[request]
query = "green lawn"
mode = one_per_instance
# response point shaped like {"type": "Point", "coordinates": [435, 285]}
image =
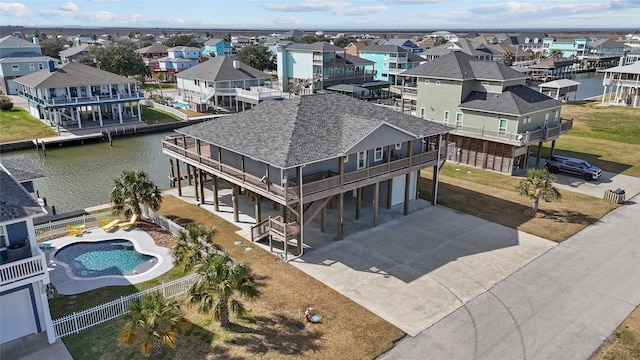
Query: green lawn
{"type": "Point", "coordinates": [18, 124]}
{"type": "Point", "coordinates": [608, 137]}
{"type": "Point", "coordinates": [155, 86]}
{"type": "Point", "coordinates": [155, 116]}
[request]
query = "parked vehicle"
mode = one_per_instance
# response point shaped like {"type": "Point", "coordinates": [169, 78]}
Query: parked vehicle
{"type": "Point", "coordinates": [579, 167]}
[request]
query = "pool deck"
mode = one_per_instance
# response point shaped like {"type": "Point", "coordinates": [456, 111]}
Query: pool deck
{"type": "Point", "coordinates": [68, 285]}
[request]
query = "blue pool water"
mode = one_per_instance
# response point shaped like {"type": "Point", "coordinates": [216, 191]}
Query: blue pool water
{"type": "Point", "coordinates": [102, 258]}
{"type": "Point", "coordinates": [180, 104]}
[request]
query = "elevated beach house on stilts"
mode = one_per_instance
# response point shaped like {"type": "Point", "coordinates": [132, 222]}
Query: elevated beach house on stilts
{"type": "Point", "coordinates": [307, 152]}
{"type": "Point", "coordinates": [77, 95]}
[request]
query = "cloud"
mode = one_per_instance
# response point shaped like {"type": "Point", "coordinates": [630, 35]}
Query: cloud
{"type": "Point", "coordinates": [69, 7]}
{"type": "Point", "coordinates": [15, 9]}
{"type": "Point", "coordinates": [332, 7]}
{"type": "Point", "coordinates": [412, 2]}
{"type": "Point", "coordinates": [285, 20]}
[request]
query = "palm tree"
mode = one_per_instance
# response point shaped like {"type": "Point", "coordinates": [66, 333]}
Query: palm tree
{"type": "Point", "coordinates": [538, 184]}
{"type": "Point", "coordinates": [159, 76]}
{"type": "Point", "coordinates": [193, 246]}
{"type": "Point", "coordinates": [555, 53]}
{"type": "Point", "coordinates": [508, 58]}
{"type": "Point", "coordinates": [132, 190]}
{"type": "Point", "coordinates": [220, 279]}
{"type": "Point", "coordinates": [153, 322]}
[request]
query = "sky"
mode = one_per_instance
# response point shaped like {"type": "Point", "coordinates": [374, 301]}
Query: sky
{"type": "Point", "coordinates": [326, 15]}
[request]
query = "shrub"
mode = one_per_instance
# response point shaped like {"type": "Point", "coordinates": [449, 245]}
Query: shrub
{"type": "Point", "coordinates": [5, 103]}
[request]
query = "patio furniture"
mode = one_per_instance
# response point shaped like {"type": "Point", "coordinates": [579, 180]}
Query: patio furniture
{"type": "Point", "coordinates": [110, 226]}
{"type": "Point", "coordinates": [127, 224]}
{"type": "Point", "coordinates": [76, 230]}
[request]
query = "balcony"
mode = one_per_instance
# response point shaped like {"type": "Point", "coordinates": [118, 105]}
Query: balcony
{"type": "Point", "coordinates": [63, 101]}
{"type": "Point", "coordinates": [317, 187]}
{"type": "Point", "coordinates": [24, 271]}
{"type": "Point", "coordinates": [517, 139]}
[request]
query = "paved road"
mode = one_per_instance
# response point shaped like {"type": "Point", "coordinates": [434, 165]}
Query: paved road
{"type": "Point", "coordinates": [560, 306]}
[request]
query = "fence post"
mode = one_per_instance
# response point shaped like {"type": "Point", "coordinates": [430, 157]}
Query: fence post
{"type": "Point", "coordinates": [122, 304]}
{"type": "Point", "coordinates": [164, 291]}
{"type": "Point", "coordinates": [75, 323]}
{"type": "Point", "coordinates": [84, 221]}
{"type": "Point", "coordinates": [50, 227]}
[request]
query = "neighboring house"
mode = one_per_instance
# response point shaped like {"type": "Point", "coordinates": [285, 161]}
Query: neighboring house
{"type": "Point", "coordinates": [406, 44]}
{"type": "Point", "coordinates": [217, 47]}
{"type": "Point", "coordinates": [531, 42]}
{"type": "Point", "coordinates": [273, 43]}
{"type": "Point", "coordinates": [604, 53]}
{"type": "Point", "coordinates": [632, 40]}
{"type": "Point", "coordinates": [24, 276]}
{"type": "Point", "coordinates": [475, 49]}
{"type": "Point", "coordinates": [224, 82]}
{"type": "Point", "coordinates": [390, 60]}
{"type": "Point", "coordinates": [569, 48]}
{"type": "Point", "coordinates": [622, 85]}
{"type": "Point", "coordinates": [306, 68]}
{"type": "Point", "coordinates": [304, 152]}
{"type": "Point", "coordinates": [83, 39]}
{"type": "Point", "coordinates": [74, 53]}
{"type": "Point", "coordinates": [355, 47]}
{"type": "Point", "coordinates": [449, 36]}
{"type": "Point", "coordinates": [293, 35]}
{"type": "Point", "coordinates": [497, 118]}
{"type": "Point", "coordinates": [150, 55]}
{"type": "Point", "coordinates": [19, 57]}
{"type": "Point", "coordinates": [632, 57]}
{"type": "Point", "coordinates": [179, 58]}
{"type": "Point", "coordinates": [79, 95]}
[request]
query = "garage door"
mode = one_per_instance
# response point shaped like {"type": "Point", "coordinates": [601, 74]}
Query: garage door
{"type": "Point", "coordinates": [16, 316]}
{"type": "Point", "coordinates": [12, 87]}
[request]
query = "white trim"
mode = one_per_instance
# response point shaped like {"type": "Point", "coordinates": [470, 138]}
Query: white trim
{"type": "Point", "coordinates": [362, 161]}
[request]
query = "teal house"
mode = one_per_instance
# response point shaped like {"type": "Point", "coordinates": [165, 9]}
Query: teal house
{"type": "Point", "coordinates": [390, 60]}
{"type": "Point", "coordinates": [217, 47]}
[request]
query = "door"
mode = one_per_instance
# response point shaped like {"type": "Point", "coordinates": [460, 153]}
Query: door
{"type": "Point", "coordinates": [17, 317]}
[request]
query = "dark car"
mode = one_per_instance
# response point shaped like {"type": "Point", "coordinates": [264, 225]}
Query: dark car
{"type": "Point", "coordinates": [579, 167]}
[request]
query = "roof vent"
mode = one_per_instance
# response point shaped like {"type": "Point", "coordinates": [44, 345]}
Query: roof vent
{"type": "Point", "coordinates": [236, 64]}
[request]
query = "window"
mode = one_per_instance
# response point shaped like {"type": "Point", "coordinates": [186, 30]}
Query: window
{"type": "Point", "coordinates": [2, 237]}
{"type": "Point", "coordinates": [502, 127]}
{"type": "Point", "coordinates": [15, 67]}
{"type": "Point", "coordinates": [377, 155]}
{"type": "Point", "coordinates": [32, 67]}
{"type": "Point", "coordinates": [399, 146]}
{"type": "Point", "coordinates": [446, 117]}
{"type": "Point", "coordinates": [346, 158]}
{"type": "Point", "coordinates": [40, 66]}
{"type": "Point", "coordinates": [557, 117]}
{"type": "Point", "coordinates": [438, 83]}
{"type": "Point", "coordinates": [361, 160]}
{"type": "Point", "coordinates": [421, 113]}
{"type": "Point", "coordinates": [459, 117]}
{"type": "Point", "coordinates": [426, 82]}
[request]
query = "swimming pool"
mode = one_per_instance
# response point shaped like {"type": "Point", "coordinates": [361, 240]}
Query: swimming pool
{"type": "Point", "coordinates": [103, 258]}
{"type": "Point", "coordinates": [180, 104]}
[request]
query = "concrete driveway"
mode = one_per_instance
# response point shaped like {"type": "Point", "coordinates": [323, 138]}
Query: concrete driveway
{"type": "Point", "coordinates": [415, 270]}
{"type": "Point", "coordinates": [607, 181]}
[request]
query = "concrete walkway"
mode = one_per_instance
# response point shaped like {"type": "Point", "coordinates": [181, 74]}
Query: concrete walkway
{"type": "Point", "coordinates": [415, 270]}
{"type": "Point", "coordinates": [562, 305]}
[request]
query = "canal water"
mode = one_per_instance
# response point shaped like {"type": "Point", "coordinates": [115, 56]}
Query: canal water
{"type": "Point", "coordinates": [82, 176]}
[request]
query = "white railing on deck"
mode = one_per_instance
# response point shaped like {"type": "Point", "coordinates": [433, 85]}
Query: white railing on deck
{"type": "Point", "coordinates": [22, 269]}
{"type": "Point", "coordinates": [82, 320]}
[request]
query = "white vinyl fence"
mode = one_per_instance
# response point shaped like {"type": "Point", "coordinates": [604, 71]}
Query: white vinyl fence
{"type": "Point", "coordinates": [60, 226]}
{"type": "Point", "coordinates": [78, 321]}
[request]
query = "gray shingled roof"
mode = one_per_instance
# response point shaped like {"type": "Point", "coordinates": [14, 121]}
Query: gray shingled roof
{"type": "Point", "coordinates": [15, 202]}
{"type": "Point", "coordinates": [514, 100]}
{"type": "Point", "coordinates": [26, 57]}
{"type": "Point", "coordinates": [152, 49]}
{"type": "Point", "coordinates": [213, 41]}
{"type": "Point", "coordinates": [384, 48]}
{"type": "Point", "coordinates": [11, 41]}
{"type": "Point", "coordinates": [320, 46]}
{"type": "Point", "coordinates": [22, 168]}
{"type": "Point", "coordinates": [220, 68]}
{"type": "Point", "coordinates": [467, 46]}
{"type": "Point", "coordinates": [75, 50]}
{"type": "Point", "coordinates": [184, 48]}
{"type": "Point", "coordinates": [460, 66]}
{"type": "Point", "coordinates": [605, 43]}
{"type": "Point", "coordinates": [72, 74]}
{"type": "Point", "coordinates": [356, 60]}
{"type": "Point", "coordinates": [307, 129]}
